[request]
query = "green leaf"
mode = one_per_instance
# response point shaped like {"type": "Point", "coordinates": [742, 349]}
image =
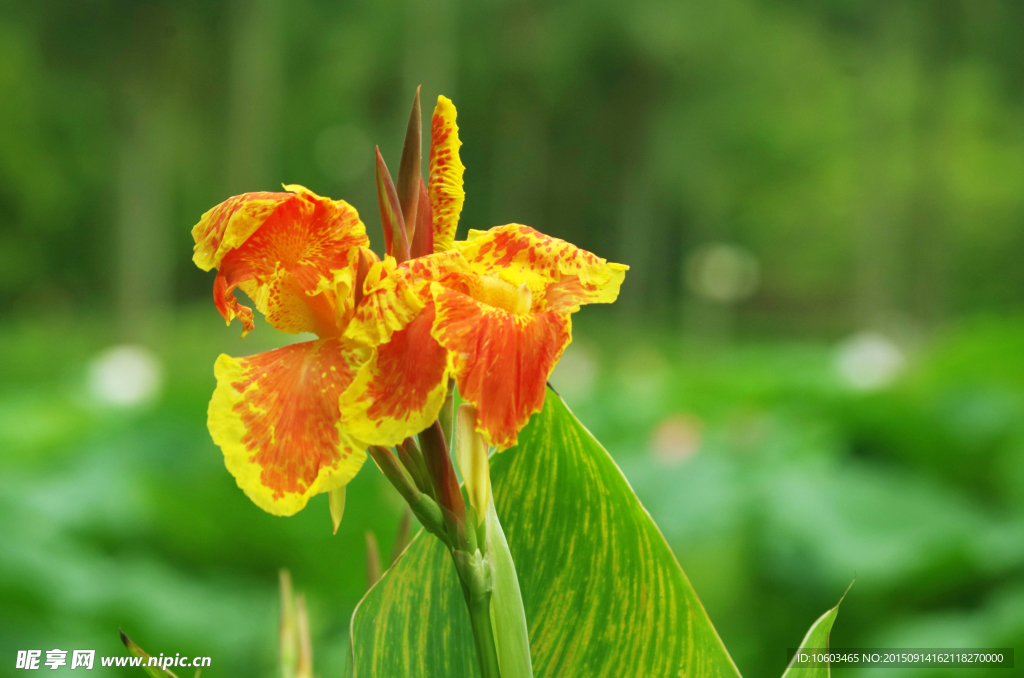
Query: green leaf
{"type": "Point", "coordinates": [816, 638]}
{"type": "Point", "coordinates": [603, 593]}
{"type": "Point", "coordinates": [511, 634]}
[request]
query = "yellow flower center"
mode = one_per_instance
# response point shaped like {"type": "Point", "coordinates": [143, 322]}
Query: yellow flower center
{"type": "Point", "coordinates": [504, 295]}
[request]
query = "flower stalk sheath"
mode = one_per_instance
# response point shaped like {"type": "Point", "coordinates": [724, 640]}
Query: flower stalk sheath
{"type": "Point", "coordinates": [412, 460]}
{"type": "Point", "coordinates": [422, 505]}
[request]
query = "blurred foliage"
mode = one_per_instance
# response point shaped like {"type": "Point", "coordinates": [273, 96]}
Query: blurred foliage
{"type": "Point", "coordinates": [777, 483]}
{"type": "Point", "coordinates": [869, 156]}
{"type": "Point", "coordinates": [774, 481]}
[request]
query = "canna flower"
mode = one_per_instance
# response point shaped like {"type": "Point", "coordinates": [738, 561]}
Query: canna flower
{"type": "Point", "coordinates": [275, 415]}
{"type": "Point", "coordinates": [491, 312]}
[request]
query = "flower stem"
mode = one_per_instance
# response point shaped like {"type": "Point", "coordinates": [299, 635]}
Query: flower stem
{"type": "Point", "coordinates": [455, 524]}
{"type": "Point", "coordinates": [483, 635]}
{"type": "Point", "coordinates": [475, 575]}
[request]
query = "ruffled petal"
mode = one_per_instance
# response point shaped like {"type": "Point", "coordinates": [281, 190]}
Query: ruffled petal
{"type": "Point", "coordinates": [390, 303]}
{"type": "Point", "coordinates": [387, 308]}
{"type": "Point", "coordinates": [230, 223]}
{"type": "Point", "coordinates": [228, 306]}
{"type": "Point", "coordinates": [400, 390]}
{"type": "Point", "coordinates": [444, 184]}
{"type": "Point", "coordinates": [501, 360]}
{"type": "Point", "coordinates": [291, 265]}
{"type": "Point", "coordinates": [560, 275]}
{"type": "Point", "coordinates": [275, 416]}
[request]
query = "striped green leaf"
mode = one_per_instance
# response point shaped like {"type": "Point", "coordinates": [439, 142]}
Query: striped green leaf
{"type": "Point", "coordinates": [816, 638]}
{"type": "Point", "coordinates": [603, 593]}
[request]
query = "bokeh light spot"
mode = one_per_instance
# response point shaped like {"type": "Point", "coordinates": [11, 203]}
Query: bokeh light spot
{"type": "Point", "coordinates": [869, 361]}
{"type": "Point", "coordinates": [722, 272]}
{"type": "Point", "coordinates": [125, 375]}
{"type": "Point", "coordinates": [676, 439]}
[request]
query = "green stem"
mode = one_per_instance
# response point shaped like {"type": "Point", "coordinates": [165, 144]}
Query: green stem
{"type": "Point", "coordinates": [483, 635]}
{"type": "Point", "coordinates": [474, 573]}
{"type": "Point", "coordinates": [455, 524]}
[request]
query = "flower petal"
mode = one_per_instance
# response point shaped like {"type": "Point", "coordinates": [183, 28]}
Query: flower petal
{"type": "Point", "coordinates": [275, 417]}
{"type": "Point", "coordinates": [304, 249]}
{"type": "Point", "coordinates": [501, 361]}
{"type": "Point", "coordinates": [228, 306]}
{"type": "Point", "coordinates": [385, 309]}
{"type": "Point", "coordinates": [400, 390]}
{"type": "Point", "coordinates": [230, 223]}
{"type": "Point", "coordinates": [560, 275]}
{"type": "Point", "coordinates": [445, 179]}
{"type": "Point", "coordinates": [391, 304]}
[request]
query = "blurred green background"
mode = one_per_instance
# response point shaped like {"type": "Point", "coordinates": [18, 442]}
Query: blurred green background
{"type": "Point", "coordinates": [814, 373]}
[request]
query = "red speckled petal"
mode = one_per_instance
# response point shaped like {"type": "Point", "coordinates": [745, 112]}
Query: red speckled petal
{"type": "Point", "coordinates": [400, 390]}
{"type": "Point", "coordinates": [292, 262]}
{"type": "Point", "coordinates": [392, 303]}
{"type": "Point", "coordinates": [275, 416]}
{"type": "Point", "coordinates": [444, 184]}
{"type": "Point", "coordinates": [230, 223]}
{"type": "Point", "coordinates": [501, 361]}
{"type": "Point", "coordinates": [560, 275]}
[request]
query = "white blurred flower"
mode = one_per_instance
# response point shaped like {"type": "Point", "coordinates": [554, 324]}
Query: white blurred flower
{"type": "Point", "coordinates": [125, 375]}
{"type": "Point", "coordinates": [722, 272]}
{"type": "Point", "coordinates": [869, 361]}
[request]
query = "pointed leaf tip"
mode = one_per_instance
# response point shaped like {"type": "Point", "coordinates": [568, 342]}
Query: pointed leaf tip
{"type": "Point", "coordinates": [817, 636]}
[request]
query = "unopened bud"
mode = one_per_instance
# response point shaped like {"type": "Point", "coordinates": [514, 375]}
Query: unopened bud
{"type": "Point", "coordinates": [471, 453]}
{"type": "Point", "coordinates": [336, 500]}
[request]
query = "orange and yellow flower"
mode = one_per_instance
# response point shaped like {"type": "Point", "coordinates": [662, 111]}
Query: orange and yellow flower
{"type": "Point", "coordinates": [275, 415]}
{"type": "Point", "coordinates": [491, 312]}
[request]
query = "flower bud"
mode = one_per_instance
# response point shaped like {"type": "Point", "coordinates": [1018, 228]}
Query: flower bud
{"type": "Point", "coordinates": [471, 453]}
{"type": "Point", "coordinates": [336, 500]}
